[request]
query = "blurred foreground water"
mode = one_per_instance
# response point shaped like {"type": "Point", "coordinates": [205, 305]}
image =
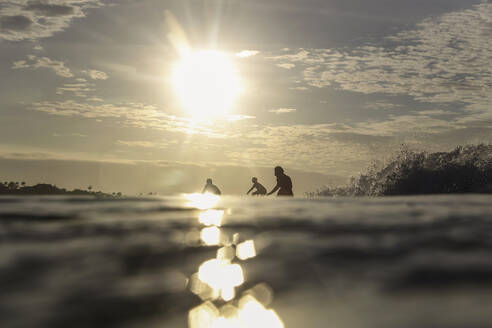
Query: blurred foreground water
{"type": "Point", "coordinates": [239, 262]}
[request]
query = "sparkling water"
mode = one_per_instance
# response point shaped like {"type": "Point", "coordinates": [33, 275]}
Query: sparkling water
{"type": "Point", "coordinates": [203, 261]}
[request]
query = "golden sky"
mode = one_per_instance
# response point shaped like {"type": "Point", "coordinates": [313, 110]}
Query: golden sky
{"type": "Point", "coordinates": [187, 89]}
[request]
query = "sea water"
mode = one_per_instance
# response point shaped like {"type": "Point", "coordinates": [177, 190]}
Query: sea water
{"type": "Point", "coordinates": [195, 261]}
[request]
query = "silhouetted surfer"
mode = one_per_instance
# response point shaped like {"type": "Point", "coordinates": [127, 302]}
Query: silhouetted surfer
{"type": "Point", "coordinates": [260, 190]}
{"type": "Point", "coordinates": [211, 188]}
{"type": "Point", "coordinates": [284, 183]}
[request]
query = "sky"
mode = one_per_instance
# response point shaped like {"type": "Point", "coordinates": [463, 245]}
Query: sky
{"type": "Point", "coordinates": [87, 95]}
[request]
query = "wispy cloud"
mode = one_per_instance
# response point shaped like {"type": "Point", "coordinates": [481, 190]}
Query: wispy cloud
{"type": "Point", "coordinates": [247, 53]}
{"type": "Point", "coordinates": [129, 114]}
{"type": "Point", "coordinates": [60, 135]}
{"type": "Point", "coordinates": [35, 62]}
{"type": "Point", "coordinates": [286, 65]}
{"type": "Point", "coordinates": [79, 89]}
{"type": "Point", "coordinates": [145, 144]}
{"type": "Point", "coordinates": [79, 86]}
{"type": "Point", "coordinates": [443, 60]}
{"type": "Point", "coordinates": [20, 64]}
{"type": "Point", "coordinates": [97, 99]}
{"type": "Point", "coordinates": [95, 74]}
{"type": "Point", "coordinates": [340, 148]}
{"type": "Point", "coordinates": [279, 145]}
{"type": "Point", "coordinates": [235, 118]}
{"type": "Point", "coordinates": [337, 148]}
{"type": "Point", "coordinates": [383, 105]}
{"type": "Point", "coordinates": [34, 19]}
{"type": "Point", "coordinates": [282, 110]}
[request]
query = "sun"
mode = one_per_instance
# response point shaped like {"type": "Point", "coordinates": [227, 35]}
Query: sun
{"type": "Point", "coordinates": [207, 84]}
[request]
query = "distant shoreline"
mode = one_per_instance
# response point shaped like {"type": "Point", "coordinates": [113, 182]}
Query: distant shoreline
{"type": "Point", "coordinates": [45, 189]}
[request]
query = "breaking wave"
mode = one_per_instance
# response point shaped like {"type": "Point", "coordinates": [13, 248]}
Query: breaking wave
{"type": "Point", "coordinates": [466, 169]}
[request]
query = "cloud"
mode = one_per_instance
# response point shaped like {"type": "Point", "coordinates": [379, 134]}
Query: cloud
{"type": "Point", "coordinates": [20, 64]}
{"type": "Point", "coordinates": [79, 89]}
{"type": "Point", "coordinates": [286, 65]}
{"type": "Point", "coordinates": [280, 145]}
{"type": "Point", "coordinates": [301, 56]}
{"type": "Point", "coordinates": [79, 135]}
{"type": "Point", "coordinates": [384, 105]}
{"type": "Point", "coordinates": [96, 75]}
{"type": "Point", "coordinates": [49, 9]}
{"type": "Point", "coordinates": [443, 60]}
{"type": "Point", "coordinates": [235, 118]}
{"type": "Point", "coordinates": [282, 110]}
{"type": "Point", "coordinates": [97, 99]}
{"type": "Point", "coordinates": [79, 86]}
{"type": "Point", "coordinates": [247, 53]}
{"type": "Point", "coordinates": [338, 148]}
{"type": "Point", "coordinates": [15, 23]}
{"type": "Point", "coordinates": [444, 63]}
{"type": "Point", "coordinates": [29, 156]}
{"type": "Point", "coordinates": [34, 62]}
{"type": "Point", "coordinates": [341, 149]}
{"type": "Point", "coordinates": [144, 144]}
{"type": "Point", "coordinates": [34, 19]}
{"type": "Point", "coordinates": [128, 114]}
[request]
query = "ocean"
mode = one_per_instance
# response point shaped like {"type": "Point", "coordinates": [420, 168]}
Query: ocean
{"type": "Point", "coordinates": [203, 261]}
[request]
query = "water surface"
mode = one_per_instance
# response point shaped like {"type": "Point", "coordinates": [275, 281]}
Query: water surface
{"type": "Point", "coordinates": [240, 262]}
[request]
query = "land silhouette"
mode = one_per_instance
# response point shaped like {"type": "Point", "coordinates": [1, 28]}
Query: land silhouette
{"type": "Point", "coordinates": [40, 189]}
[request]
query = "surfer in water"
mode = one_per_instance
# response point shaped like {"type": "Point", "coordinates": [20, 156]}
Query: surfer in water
{"type": "Point", "coordinates": [284, 183]}
{"type": "Point", "coordinates": [260, 190]}
{"type": "Point", "coordinates": [211, 188]}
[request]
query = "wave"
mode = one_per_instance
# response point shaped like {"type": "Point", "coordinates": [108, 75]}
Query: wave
{"type": "Point", "coordinates": [466, 169]}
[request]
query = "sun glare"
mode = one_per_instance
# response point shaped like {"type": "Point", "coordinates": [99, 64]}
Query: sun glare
{"type": "Point", "coordinates": [207, 84]}
{"type": "Point", "coordinates": [211, 217]}
{"type": "Point", "coordinates": [218, 279]}
{"type": "Point", "coordinates": [210, 236]}
{"type": "Point", "coordinates": [204, 202]}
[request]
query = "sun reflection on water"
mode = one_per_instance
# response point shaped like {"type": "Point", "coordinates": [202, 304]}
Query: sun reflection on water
{"type": "Point", "coordinates": [211, 217]}
{"type": "Point", "coordinates": [248, 314]}
{"type": "Point", "coordinates": [202, 201]}
{"type": "Point", "coordinates": [246, 250]}
{"type": "Point", "coordinates": [253, 314]}
{"type": "Point", "coordinates": [218, 278]}
{"type": "Point", "coordinates": [226, 253]}
{"type": "Point", "coordinates": [210, 236]}
{"type": "Point", "coordinates": [222, 276]}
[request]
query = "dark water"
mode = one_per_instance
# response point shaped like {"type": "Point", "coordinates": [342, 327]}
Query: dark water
{"type": "Point", "coordinates": [342, 263]}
